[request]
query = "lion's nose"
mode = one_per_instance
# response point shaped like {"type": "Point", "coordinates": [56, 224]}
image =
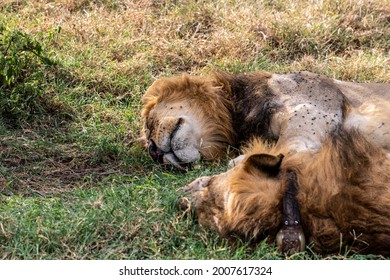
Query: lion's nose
{"type": "Point", "coordinates": [156, 153]}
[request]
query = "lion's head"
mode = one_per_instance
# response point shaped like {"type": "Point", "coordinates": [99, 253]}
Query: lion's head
{"type": "Point", "coordinates": [243, 201]}
{"type": "Point", "coordinates": [191, 117]}
{"type": "Point", "coordinates": [342, 195]}
{"type": "Point", "coordinates": [187, 118]}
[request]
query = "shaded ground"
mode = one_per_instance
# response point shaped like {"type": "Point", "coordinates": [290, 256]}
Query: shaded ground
{"type": "Point", "coordinates": [48, 160]}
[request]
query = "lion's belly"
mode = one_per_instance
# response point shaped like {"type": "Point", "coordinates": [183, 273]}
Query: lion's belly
{"type": "Point", "coordinates": [373, 120]}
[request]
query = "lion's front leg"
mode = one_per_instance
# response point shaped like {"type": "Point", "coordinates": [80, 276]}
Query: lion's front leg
{"type": "Point", "coordinates": [193, 193]}
{"type": "Point", "coordinates": [206, 198]}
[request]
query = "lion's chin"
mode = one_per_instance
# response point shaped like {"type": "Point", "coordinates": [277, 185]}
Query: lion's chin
{"type": "Point", "coordinates": [171, 158]}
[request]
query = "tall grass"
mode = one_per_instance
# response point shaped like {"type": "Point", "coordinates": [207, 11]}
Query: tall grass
{"type": "Point", "coordinates": [74, 183]}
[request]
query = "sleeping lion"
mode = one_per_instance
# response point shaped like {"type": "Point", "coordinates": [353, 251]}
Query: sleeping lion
{"type": "Point", "coordinates": [186, 118]}
{"type": "Point", "coordinates": [340, 195]}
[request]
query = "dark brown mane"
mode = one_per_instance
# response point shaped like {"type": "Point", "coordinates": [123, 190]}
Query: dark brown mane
{"type": "Point", "coordinates": [187, 118]}
{"type": "Point", "coordinates": [254, 103]}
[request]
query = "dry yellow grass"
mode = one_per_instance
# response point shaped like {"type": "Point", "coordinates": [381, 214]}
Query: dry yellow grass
{"type": "Point", "coordinates": [107, 39]}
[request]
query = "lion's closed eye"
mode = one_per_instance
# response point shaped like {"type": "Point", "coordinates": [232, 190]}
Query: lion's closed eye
{"type": "Point", "coordinates": [296, 110]}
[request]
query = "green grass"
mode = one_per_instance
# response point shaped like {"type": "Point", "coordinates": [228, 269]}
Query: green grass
{"type": "Point", "coordinates": [75, 184]}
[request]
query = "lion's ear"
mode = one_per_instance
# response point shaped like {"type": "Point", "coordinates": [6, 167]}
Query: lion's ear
{"type": "Point", "coordinates": [265, 163]}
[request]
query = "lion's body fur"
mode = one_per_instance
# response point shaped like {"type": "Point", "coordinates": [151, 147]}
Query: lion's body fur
{"type": "Point", "coordinates": [297, 110]}
{"type": "Point", "coordinates": [343, 196]}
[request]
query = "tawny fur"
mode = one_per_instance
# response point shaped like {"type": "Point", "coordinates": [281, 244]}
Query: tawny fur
{"type": "Point", "coordinates": [193, 117]}
{"type": "Point", "coordinates": [343, 196]}
{"type": "Point", "coordinates": [196, 96]}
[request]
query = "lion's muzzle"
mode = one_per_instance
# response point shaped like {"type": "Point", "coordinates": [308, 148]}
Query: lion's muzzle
{"type": "Point", "coordinates": [174, 141]}
{"type": "Point", "coordinates": [161, 157]}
